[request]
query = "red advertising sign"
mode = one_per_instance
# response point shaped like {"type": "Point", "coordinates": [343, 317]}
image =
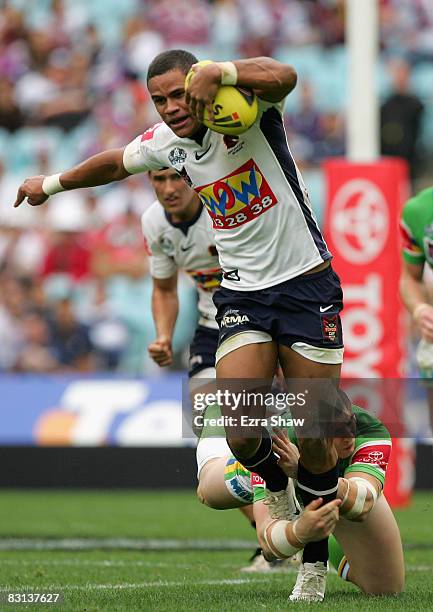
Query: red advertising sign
{"type": "Point", "coordinates": [362, 213]}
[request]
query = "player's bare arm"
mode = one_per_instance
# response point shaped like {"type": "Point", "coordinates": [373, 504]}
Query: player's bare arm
{"type": "Point", "coordinates": [165, 307]}
{"type": "Point", "coordinates": [270, 79]}
{"type": "Point", "coordinates": [280, 539]}
{"type": "Point", "coordinates": [413, 295]}
{"type": "Point", "coordinates": [358, 492]}
{"type": "Point", "coordinates": [100, 169]}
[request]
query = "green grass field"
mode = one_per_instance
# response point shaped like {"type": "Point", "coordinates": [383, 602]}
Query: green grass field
{"type": "Point", "coordinates": [105, 551]}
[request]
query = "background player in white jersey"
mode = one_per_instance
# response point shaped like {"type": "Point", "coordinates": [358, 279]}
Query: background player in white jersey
{"type": "Point", "coordinates": [280, 298]}
{"type": "Point", "coordinates": [179, 235]}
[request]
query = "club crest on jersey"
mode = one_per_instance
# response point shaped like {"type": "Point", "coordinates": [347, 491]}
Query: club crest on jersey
{"type": "Point", "coordinates": [238, 197]}
{"type": "Point", "coordinates": [167, 246]}
{"type": "Point", "coordinates": [177, 157]}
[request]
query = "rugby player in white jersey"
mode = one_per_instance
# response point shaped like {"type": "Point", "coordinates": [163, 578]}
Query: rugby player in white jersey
{"type": "Point", "coordinates": [280, 299]}
{"type": "Point", "coordinates": [179, 236]}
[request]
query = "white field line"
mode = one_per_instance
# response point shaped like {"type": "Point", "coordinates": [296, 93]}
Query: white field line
{"type": "Point", "coordinates": [163, 583]}
{"type": "Point", "coordinates": [131, 585]}
{"type": "Point", "coordinates": [160, 583]}
{"type": "Point", "coordinates": [139, 544]}
{"type": "Point", "coordinates": [113, 563]}
{"type": "Point", "coordinates": [7, 544]}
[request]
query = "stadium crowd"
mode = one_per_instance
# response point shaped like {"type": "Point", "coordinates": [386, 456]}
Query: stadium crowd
{"type": "Point", "coordinates": [75, 289]}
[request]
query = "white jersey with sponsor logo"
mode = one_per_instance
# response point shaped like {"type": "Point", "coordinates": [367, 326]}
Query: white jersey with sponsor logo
{"type": "Point", "coordinates": [266, 231]}
{"type": "Point", "coordinates": [189, 246]}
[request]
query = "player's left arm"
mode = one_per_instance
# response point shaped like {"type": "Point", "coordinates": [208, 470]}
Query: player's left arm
{"type": "Point", "coordinates": [271, 80]}
{"type": "Point", "coordinates": [165, 308]}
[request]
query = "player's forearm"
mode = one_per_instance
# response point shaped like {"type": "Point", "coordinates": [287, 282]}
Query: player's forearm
{"type": "Point", "coordinates": [165, 308]}
{"type": "Point", "coordinates": [100, 169]}
{"type": "Point", "coordinates": [412, 292]}
{"type": "Point", "coordinates": [265, 74]}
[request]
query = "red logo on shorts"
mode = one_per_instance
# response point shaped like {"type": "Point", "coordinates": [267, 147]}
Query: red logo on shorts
{"type": "Point", "coordinates": [330, 330]}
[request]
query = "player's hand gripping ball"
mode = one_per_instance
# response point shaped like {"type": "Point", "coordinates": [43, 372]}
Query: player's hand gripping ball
{"type": "Point", "coordinates": [235, 108]}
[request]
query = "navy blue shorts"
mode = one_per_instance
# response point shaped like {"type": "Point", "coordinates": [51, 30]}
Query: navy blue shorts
{"type": "Point", "coordinates": [202, 350]}
{"type": "Point", "coordinates": [302, 309]}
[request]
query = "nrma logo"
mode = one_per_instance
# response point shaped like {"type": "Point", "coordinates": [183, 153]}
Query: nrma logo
{"type": "Point", "coordinates": [237, 198]}
{"type": "Point", "coordinates": [233, 318]}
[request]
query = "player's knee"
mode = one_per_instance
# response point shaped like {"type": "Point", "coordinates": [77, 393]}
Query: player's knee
{"type": "Point", "coordinates": [201, 496]}
{"type": "Point", "coordinates": [393, 586]}
{"type": "Point", "coordinates": [380, 590]}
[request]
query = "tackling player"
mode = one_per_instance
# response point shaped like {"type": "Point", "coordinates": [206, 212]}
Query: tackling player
{"type": "Point", "coordinates": [417, 230]}
{"type": "Point", "coordinates": [366, 536]}
{"type": "Point", "coordinates": [280, 298]}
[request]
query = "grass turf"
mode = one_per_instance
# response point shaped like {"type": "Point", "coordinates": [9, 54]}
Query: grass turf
{"type": "Point", "coordinates": [184, 580]}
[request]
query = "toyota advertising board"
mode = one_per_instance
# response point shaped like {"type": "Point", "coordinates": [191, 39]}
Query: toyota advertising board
{"type": "Point", "coordinates": [362, 213]}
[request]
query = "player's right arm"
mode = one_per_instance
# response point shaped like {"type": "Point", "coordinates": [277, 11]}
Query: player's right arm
{"type": "Point", "coordinates": [100, 169]}
{"type": "Point", "coordinates": [412, 293]}
{"type": "Point", "coordinates": [165, 308]}
{"type": "Point", "coordinates": [280, 539]}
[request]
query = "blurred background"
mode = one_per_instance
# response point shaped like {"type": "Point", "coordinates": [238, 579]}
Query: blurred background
{"type": "Point", "coordinates": [75, 316]}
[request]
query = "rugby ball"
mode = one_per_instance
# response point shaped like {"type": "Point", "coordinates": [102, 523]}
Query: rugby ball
{"type": "Point", "coordinates": [235, 108]}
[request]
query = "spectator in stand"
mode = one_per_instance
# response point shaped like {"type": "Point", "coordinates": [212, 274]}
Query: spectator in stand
{"type": "Point", "coordinates": [11, 118]}
{"type": "Point", "coordinates": [70, 339]}
{"type": "Point", "coordinates": [332, 143]}
{"type": "Point", "coordinates": [328, 18]}
{"type": "Point", "coordinates": [36, 354]}
{"type": "Point", "coordinates": [407, 29]}
{"type": "Point", "coordinates": [401, 115]}
{"type": "Point", "coordinates": [12, 308]}
{"type": "Point", "coordinates": [141, 44]}
{"type": "Point", "coordinates": [186, 26]}
{"type": "Point", "coordinates": [305, 126]}
{"type": "Point", "coordinates": [69, 253]}
{"type": "Point", "coordinates": [119, 248]}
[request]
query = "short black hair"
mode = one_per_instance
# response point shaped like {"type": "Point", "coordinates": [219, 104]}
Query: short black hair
{"type": "Point", "coordinates": [171, 60]}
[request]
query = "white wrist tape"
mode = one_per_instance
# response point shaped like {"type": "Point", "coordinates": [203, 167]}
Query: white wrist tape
{"type": "Point", "coordinates": [51, 184]}
{"type": "Point", "coordinates": [363, 486]}
{"type": "Point", "coordinates": [229, 73]}
{"type": "Point", "coordinates": [295, 532]}
{"type": "Point", "coordinates": [276, 539]}
{"type": "Point", "coordinates": [346, 495]}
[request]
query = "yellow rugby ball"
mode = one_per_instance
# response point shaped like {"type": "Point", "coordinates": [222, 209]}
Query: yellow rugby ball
{"type": "Point", "coordinates": [235, 108]}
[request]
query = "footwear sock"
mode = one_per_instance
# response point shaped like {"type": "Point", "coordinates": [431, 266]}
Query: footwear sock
{"type": "Point", "coordinates": [311, 487]}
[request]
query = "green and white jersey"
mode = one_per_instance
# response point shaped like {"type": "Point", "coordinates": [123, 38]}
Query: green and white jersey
{"type": "Point", "coordinates": [372, 446]}
{"type": "Point", "coordinates": [370, 455]}
{"type": "Point", "coordinates": [416, 226]}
